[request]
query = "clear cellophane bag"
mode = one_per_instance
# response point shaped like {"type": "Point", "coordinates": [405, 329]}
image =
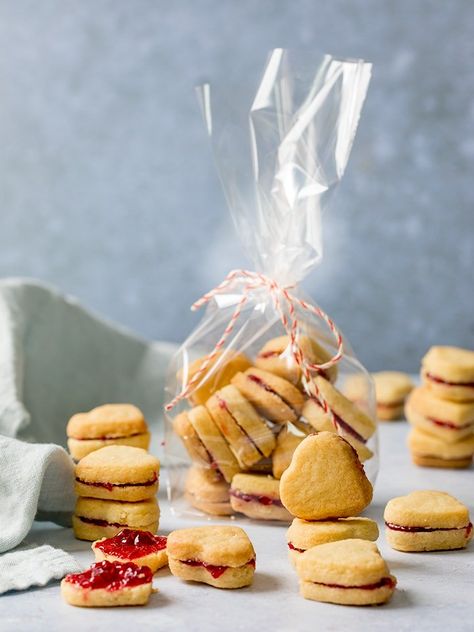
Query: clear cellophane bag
{"type": "Point", "coordinates": [266, 366]}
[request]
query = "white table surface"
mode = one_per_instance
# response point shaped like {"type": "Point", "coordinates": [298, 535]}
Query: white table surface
{"type": "Point", "coordinates": [435, 590]}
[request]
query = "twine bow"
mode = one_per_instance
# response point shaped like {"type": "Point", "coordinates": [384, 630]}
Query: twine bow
{"type": "Point", "coordinates": [285, 303]}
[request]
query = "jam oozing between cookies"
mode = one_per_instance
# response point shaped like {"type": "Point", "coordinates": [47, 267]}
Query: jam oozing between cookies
{"type": "Point", "coordinates": [215, 571]}
{"type": "Point", "coordinates": [256, 498]}
{"type": "Point", "coordinates": [111, 576]}
{"type": "Point", "coordinates": [130, 543]}
{"type": "Point", "coordinates": [294, 548]}
{"type": "Point", "coordinates": [107, 438]}
{"type": "Point", "coordinates": [439, 380]}
{"type": "Point", "coordinates": [399, 527]}
{"type": "Point", "coordinates": [448, 424]}
{"type": "Point", "coordinates": [388, 582]}
{"type": "Point", "coordinates": [110, 486]}
{"type": "Point", "coordinates": [257, 380]}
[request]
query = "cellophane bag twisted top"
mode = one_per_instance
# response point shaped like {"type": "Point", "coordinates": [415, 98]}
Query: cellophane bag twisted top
{"type": "Point", "coordinates": [266, 366]}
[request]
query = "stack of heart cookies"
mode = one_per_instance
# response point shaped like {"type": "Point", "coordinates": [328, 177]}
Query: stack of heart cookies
{"type": "Point", "coordinates": [116, 488]}
{"type": "Point", "coordinates": [246, 420]}
{"type": "Point", "coordinates": [441, 411]}
{"type": "Point", "coordinates": [332, 549]}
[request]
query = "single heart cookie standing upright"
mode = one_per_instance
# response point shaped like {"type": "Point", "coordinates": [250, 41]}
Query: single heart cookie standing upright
{"type": "Point", "coordinates": [325, 480]}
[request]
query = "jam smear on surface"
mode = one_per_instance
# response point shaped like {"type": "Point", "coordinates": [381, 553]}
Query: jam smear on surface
{"type": "Point", "coordinates": [215, 571]}
{"type": "Point", "coordinates": [435, 378]}
{"type": "Point", "coordinates": [399, 527]}
{"type": "Point", "coordinates": [386, 581]}
{"type": "Point", "coordinates": [263, 500]}
{"type": "Point", "coordinates": [294, 548]}
{"type": "Point", "coordinates": [111, 576]}
{"type": "Point", "coordinates": [110, 486]}
{"type": "Point", "coordinates": [131, 543]}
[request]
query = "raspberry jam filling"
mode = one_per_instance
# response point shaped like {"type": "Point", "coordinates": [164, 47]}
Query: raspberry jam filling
{"type": "Point", "coordinates": [349, 429]}
{"type": "Point", "coordinates": [223, 404]}
{"type": "Point", "coordinates": [107, 438]}
{"type": "Point", "coordinates": [131, 543]}
{"type": "Point", "coordinates": [448, 424]}
{"type": "Point", "coordinates": [294, 548]}
{"type": "Point", "coordinates": [269, 389]}
{"type": "Point", "coordinates": [256, 498]}
{"type": "Point", "coordinates": [110, 486]}
{"type": "Point", "coordinates": [100, 523]}
{"type": "Point", "coordinates": [399, 527]}
{"type": "Point", "coordinates": [215, 571]}
{"type": "Point", "coordinates": [111, 576]}
{"type": "Point", "coordinates": [385, 581]}
{"type": "Point", "coordinates": [439, 380]}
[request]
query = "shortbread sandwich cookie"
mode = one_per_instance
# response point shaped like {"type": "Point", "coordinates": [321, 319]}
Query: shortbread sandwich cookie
{"type": "Point", "coordinates": [221, 456]}
{"type": "Point", "coordinates": [206, 490]}
{"type": "Point", "coordinates": [218, 373]}
{"type": "Point", "coordinates": [325, 480]}
{"type": "Point", "coordinates": [287, 441]}
{"type": "Point", "coordinates": [427, 521]}
{"type": "Point", "coordinates": [450, 421]}
{"type": "Point", "coordinates": [303, 534]}
{"type": "Point", "coordinates": [221, 556]}
{"type": "Point", "coordinates": [449, 372]}
{"type": "Point", "coordinates": [258, 496]}
{"type": "Point", "coordinates": [274, 397]}
{"type": "Point", "coordinates": [94, 518]}
{"type": "Point", "coordinates": [118, 473]}
{"type": "Point", "coordinates": [276, 357]}
{"type": "Point", "coordinates": [430, 451]}
{"type": "Point", "coordinates": [191, 441]}
{"type": "Point", "coordinates": [111, 424]}
{"type": "Point", "coordinates": [322, 421]}
{"type": "Point", "coordinates": [132, 545]}
{"type": "Point", "coordinates": [107, 584]}
{"type": "Point", "coordinates": [247, 433]}
{"type": "Point", "coordinates": [348, 572]}
{"type": "Point", "coordinates": [391, 390]}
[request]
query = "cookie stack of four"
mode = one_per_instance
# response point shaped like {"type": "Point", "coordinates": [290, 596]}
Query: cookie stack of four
{"type": "Point", "coordinates": [441, 411]}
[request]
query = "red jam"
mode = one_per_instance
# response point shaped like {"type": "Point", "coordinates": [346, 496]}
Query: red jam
{"type": "Point", "coordinates": [349, 429]}
{"type": "Point", "coordinates": [294, 548]}
{"type": "Point", "coordinates": [111, 576]}
{"type": "Point", "coordinates": [129, 544]}
{"type": "Point", "coordinates": [440, 380]}
{"type": "Point", "coordinates": [105, 438]}
{"type": "Point", "coordinates": [263, 500]}
{"type": "Point", "coordinates": [215, 571]}
{"type": "Point", "coordinates": [447, 424]}
{"type": "Point", "coordinates": [399, 527]}
{"type": "Point", "coordinates": [386, 581]}
{"type": "Point", "coordinates": [110, 486]}
{"type": "Point", "coordinates": [269, 389]}
{"type": "Point", "coordinates": [100, 523]}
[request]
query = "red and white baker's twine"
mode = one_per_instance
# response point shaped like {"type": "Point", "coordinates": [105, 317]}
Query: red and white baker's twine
{"type": "Point", "coordinates": [256, 280]}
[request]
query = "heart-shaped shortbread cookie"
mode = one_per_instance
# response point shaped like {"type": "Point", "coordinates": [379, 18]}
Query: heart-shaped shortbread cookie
{"type": "Point", "coordinates": [325, 480]}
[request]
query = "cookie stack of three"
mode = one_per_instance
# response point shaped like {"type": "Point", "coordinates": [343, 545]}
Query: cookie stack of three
{"type": "Point", "coordinates": [441, 411]}
{"type": "Point", "coordinates": [116, 488]}
{"type": "Point", "coordinates": [333, 549]}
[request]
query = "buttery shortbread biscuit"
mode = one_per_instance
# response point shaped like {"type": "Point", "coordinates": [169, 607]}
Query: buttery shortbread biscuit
{"type": "Point", "coordinates": [118, 473]}
{"type": "Point", "coordinates": [325, 480]}
{"type": "Point", "coordinates": [303, 534]}
{"type": "Point", "coordinates": [111, 424]}
{"type": "Point", "coordinates": [191, 441]}
{"type": "Point", "coordinates": [107, 584]}
{"type": "Point", "coordinates": [427, 521]}
{"type": "Point", "coordinates": [391, 390]}
{"type": "Point", "coordinates": [94, 518]}
{"type": "Point", "coordinates": [347, 572]}
{"type": "Point", "coordinates": [274, 397]}
{"type": "Point", "coordinates": [206, 490]}
{"type": "Point", "coordinates": [450, 421]}
{"type": "Point", "coordinates": [221, 456]}
{"type": "Point", "coordinates": [430, 451]}
{"type": "Point", "coordinates": [287, 441]}
{"type": "Point", "coordinates": [322, 421]}
{"type": "Point", "coordinates": [221, 556]}
{"type": "Point", "coordinates": [218, 374]}
{"type": "Point", "coordinates": [131, 545]}
{"type": "Point", "coordinates": [449, 372]}
{"type": "Point", "coordinates": [246, 431]}
{"type": "Point", "coordinates": [276, 357]}
{"type": "Point", "coordinates": [257, 496]}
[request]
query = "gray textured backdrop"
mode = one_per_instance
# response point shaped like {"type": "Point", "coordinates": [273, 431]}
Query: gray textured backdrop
{"type": "Point", "coordinates": [107, 188]}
